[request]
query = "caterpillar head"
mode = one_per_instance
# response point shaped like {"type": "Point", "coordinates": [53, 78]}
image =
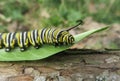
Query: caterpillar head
{"type": "Point", "coordinates": [65, 38]}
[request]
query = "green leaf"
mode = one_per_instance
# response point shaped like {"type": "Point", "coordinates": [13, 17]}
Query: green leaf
{"type": "Point", "coordinates": [85, 34]}
{"type": "Point", "coordinates": [43, 52]}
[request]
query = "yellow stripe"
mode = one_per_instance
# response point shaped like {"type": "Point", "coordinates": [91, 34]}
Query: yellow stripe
{"type": "Point", "coordinates": [55, 35]}
{"type": "Point", "coordinates": [29, 37]}
{"type": "Point", "coordinates": [46, 36]}
{"type": "Point", "coordinates": [4, 39]}
{"type": "Point", "coordinates": [18, 39]}
{"type": "Point", "coordinates": [39, 34]}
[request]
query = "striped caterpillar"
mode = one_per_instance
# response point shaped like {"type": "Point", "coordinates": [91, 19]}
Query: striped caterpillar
{"type": "Point", "coordinates": [36, 38]}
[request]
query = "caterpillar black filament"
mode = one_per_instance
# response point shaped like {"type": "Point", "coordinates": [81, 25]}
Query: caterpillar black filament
{"type": "Point", "coordinates": [36, 38]}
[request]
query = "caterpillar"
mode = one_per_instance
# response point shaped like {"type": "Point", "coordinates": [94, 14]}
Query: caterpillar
{"type": "Point", "coordinates": [36, 38]}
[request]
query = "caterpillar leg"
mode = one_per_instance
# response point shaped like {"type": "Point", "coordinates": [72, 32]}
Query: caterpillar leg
{"type": "Point", "coordinates": [22, 49]}
{"type": "Point", "coordinates": [58, 44]}
{"type": "Point", "coordinates": [7, 49]}
{"type": "Point", "coordinates": [55, 44]}
{"type": "Point", "coordinates": [37, 46]}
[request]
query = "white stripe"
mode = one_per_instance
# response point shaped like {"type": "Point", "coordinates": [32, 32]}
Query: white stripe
{"type": "Point", "coordinates": [36, 35]}
{"type": "Point", "coordinates": [11, 38]}
{"type": "Point", "coordinates": [24, 37]}
{"type": "Point", "coordinates": [21, 39]}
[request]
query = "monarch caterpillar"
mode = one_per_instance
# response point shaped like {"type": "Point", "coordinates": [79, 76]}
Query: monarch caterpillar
{"type": "Point", "coordinates": [36, 38]}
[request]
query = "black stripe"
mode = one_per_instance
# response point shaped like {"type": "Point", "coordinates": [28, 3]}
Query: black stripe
{"type": "Point", "coordinates": [37, 34]}
{"type": "Point", "coordinates": [23, 39]}
{"type": "Point", "coordinates": [59, 35]}
{"type": "Point", "coordinates": [9, 40]}
{"type": "Point", "coordinates": [42, 37]}
{"type": "Point", "coordinates": [34, 36]}
{"type": "Point", "coordinates": [69, 39]}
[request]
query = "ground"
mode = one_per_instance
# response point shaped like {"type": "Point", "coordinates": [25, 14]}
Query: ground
{"type": "Point", "coordinates": [82, 65]}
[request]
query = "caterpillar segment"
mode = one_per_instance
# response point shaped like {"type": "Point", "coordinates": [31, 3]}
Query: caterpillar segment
{"type": "Point", "coordinates": [22, 40]}
{"type": "Point", "coordinates": [34, 38]}
{"type": "Point", "coordinates": [8, 41]}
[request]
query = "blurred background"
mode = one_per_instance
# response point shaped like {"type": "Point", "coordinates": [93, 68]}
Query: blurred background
{"type": "Point", "coordinates": [24, 15]}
